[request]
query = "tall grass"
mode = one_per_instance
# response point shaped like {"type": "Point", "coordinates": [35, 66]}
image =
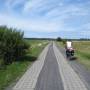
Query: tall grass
{"type": "Point", "coordinates": [82, 48]}
{"type": "Point", "coordinates": [82, 51]}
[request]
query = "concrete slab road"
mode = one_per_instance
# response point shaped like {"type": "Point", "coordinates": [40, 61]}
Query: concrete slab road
{"type": "Point", "coordinates": [49, 78]}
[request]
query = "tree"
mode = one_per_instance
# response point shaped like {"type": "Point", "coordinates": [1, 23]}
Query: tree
{"type": "Point", "coordinates": [59, 39]}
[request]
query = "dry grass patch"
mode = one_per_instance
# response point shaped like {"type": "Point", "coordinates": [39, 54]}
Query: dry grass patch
{"type": "Point", "coordinates": [82, 49]}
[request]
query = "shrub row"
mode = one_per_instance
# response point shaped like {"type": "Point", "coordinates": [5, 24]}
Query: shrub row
{"type": "Point", "coordinates": [12, 44]}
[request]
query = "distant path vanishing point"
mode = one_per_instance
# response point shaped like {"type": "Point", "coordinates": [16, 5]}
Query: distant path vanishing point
{"type": "Point", "coordinates": [50, 72]}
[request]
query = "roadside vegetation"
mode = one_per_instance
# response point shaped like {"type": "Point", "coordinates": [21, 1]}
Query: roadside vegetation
{"type": "Point", "coordinates": [82, 49]}
{"type": "Point", "coordinates": [16, 54]}
{"type": "Point", "coordinates": [12, 45]}
{"type": "Point", "coordinates": [60, 40]}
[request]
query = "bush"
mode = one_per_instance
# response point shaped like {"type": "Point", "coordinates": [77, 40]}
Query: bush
{"type": "Point", "coordinates": [12, 44]}
{"type": "Point", "coordinates": [59, 39]}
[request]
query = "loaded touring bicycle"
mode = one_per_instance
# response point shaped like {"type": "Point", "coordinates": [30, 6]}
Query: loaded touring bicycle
{"type": "Point", "coordinates": [69, 50]}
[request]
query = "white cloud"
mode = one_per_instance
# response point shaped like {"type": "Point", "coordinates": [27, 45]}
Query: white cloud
{"type": "Point", "coordinates": [86, 26]}
{"type": "Point", "coordinates": [85, 34]}
{"type": "Point", "coordinates": [38, 26]}
{"type": "Point", "coordinates": [67, 12]}
{"type": "Point", "coordinates": [32, 4]}
{"type": "Point", "coordinates": [37, 6]}
{"type": "Point", "coordinates": [10, 4]}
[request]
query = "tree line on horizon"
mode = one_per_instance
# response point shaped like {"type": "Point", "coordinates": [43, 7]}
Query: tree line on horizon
{"type": "Point", "coordinates": [59, 39]}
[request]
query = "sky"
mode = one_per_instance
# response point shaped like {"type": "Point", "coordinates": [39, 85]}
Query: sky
{"type": "Point", "coordinates": [47, 18]}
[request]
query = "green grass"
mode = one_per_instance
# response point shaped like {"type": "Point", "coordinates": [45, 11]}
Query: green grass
{"type": "Point", "coordinates": [61, 44]}
{"type": "Point", "coordinates": [12, 72]}
{"type": "Point", "coordinates": [36, 48]}
{"type": "Point", "coordinates": [15, 70]}
{"type": "Point", "coordinates": [82, 49]}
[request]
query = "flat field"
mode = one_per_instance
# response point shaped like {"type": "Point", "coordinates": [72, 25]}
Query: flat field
{"type": "Point", "coordinates": [82, 49]}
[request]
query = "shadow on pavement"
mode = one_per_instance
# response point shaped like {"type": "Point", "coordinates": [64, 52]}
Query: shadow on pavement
{"type": "Point", "coordinates": [73, 58]}
{"type": "Point", "coordinates": [28, 58]}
